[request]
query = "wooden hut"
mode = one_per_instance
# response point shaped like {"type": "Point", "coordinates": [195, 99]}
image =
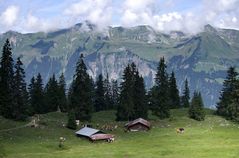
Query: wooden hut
{"type": "Point", "coordinates": [138, 125]}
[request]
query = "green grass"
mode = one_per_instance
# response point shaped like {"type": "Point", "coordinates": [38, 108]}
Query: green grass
{"type": "Point", "coordinates": [214, 137]}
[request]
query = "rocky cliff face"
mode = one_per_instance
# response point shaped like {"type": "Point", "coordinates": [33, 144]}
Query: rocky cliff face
{"type": "Point", "coordinates": [202, 58]}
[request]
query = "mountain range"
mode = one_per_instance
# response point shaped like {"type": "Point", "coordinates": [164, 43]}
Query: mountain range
{"type": "Point", "coordinates": [202, 58]}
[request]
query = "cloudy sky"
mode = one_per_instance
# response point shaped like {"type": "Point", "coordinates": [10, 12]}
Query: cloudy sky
{"type": "Point", "coordinates": [163, 15]}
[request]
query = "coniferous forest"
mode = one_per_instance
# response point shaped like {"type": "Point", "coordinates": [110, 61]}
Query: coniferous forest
{"type": "Point", "coordinates": [130, 98]}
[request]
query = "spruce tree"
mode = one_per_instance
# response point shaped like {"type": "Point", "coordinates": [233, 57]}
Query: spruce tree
{"type": "Point", "coordinates": [108, 94]}
{"type": "Point", "coordinates": [160, 97]}
{"type": "Point", "coordinates": [20, 92]}
{"type": "Point", "coordinates": [99, 94]}
{"type": "Point", "coordinates": [69, 97]}
{"type": "Point", "coordinates": [37, 96]}
{"type": "Point", "coordinates": [196, 110]}
{"type": "Point", "coordinates": [81, 96]}
{"type": "Point", "coordinates": [233, 107]}
{"type": "Point", "coordinates": [228, 95]}
{"type": "Point", "coordinates": [71, 124]}
{"type": "Point", "coordinates": [125, 110]}
{"type": "Point", "coordinates": [31, 96]}
{"type": "Point", "coordinates": [115, 93]}
{"type": "Point", "coordinates": [186, 95]}
{"type": "Point", "coordinates": [139, 95]}
{"type": "Point", "coordinates": [174, 99]}
{"type": "Point", "coordinates": [62, 100]}
{"type": "Point", "coordinates": [6, 82]}
{"type": "Point", "coordinates": [132, 100]}
{"type": "Point", "coordinates": [51, 95]}
{"type": "Point", "coordinates": [152, 97]}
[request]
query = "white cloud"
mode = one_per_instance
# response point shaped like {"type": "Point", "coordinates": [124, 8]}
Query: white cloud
{"type": "Point", "coordinates": [96, 11]}
{"type": "Point", "coordinates": [142, 13]}
{"type": "Point", "coordinates": [136, 12]}
{"type": "Point", "coordinates": [137, 6]}
{"type": "Point", "coordinates": [161, 15]}
{"type": "Point", "coordinates": [216, 12]}
{"type": "Point", "coordinates": [9, 16]}
{"type": "Point", "coordinates": [234, 19]}
{"type": "Point", "coordinates": [220, 5]}
{"type": "Point", "coordinates": [221, 13]}
{"type": "Point", "coordinates": [33, 24]}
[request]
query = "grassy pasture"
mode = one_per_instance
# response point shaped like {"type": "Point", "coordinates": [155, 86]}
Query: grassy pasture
{"type": "Point", "coordinates": [214, 137]}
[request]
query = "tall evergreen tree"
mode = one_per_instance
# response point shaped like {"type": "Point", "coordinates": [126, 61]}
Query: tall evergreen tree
{"type": "Point", "coordinates": [132, 100]}
{"type": "Point", "coordinates": [31, 96]}
{"type": "Point", "coordinates": [81, 96]}
{"type": "Point", "coordinates": [108, 94]}
{"type": "Point", "coordinates": [174, 99]}
{"type": "Point", "coordinates": [71, 124]}
{"type": "Point", "coordinates": [125, 110]}
{"type": "Point", "coordinates": [62, 94]}
{"type": "Point", "coordinates": [99, 94]}
{"type": "Point", "coordinates": [228, 93]}
{"type": "Point", "coordinates": [196, 110]}
{"type": "Point", "coordinates": [152, 97]}
{"type": "Point", "coordinates": [51, 95]}
{"type": "Point", "coordinates": [139, 95]}
{"type": "Point", "coordinates": [70, 97]}
{"type": "Point", "coordinates": [6, 82]}
{"type": "Point", "coordinates": [186, 95]}
{"type": "Point", "coordinates": [159, 100]}
{"type": "Point", "coordinates": [233, 107]}
{"type": "Point", "coordinates": [20, 92]}
{"type": "Point", "coordinates": [37, 96]}
{"type": "Point", "coordinates": [115, 93]}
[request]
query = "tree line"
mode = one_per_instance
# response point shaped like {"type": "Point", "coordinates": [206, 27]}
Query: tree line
{"type": "Point", "coordinates": [228, 105]}
{"type": "Point", "coordinates": [130, 98]}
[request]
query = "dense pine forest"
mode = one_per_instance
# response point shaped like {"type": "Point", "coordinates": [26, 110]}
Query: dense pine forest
{"type": "Point", "coordinates": [129, 98]}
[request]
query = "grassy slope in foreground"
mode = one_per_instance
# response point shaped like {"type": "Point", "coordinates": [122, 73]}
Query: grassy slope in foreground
{"type": "Point", "coordinates": [214, 137]}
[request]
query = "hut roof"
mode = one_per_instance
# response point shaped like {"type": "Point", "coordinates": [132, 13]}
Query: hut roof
{"type": "Point", "coordinates": [86, 131]}
{"type": "Point", "coordinates": [139, 120]}
{"type": "Point", "coordinates": [101, 136]}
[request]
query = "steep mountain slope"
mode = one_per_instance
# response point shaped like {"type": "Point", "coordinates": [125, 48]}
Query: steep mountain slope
{"type": "Point", "coordinates": [202, 58]}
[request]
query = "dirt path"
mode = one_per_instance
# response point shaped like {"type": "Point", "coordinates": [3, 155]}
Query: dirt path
{"type": "Point", "coordinates": [29, 124]}
{"type": "Point", "coordinates": [11, 129]}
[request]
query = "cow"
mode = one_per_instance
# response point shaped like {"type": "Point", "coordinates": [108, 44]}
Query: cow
{"type": "Point", "coordinates": [110, 140]}
{"type": "Point", "coordinates": [180, 130]}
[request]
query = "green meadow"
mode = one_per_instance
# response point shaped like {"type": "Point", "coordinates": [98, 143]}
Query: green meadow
{"type": "Point", "coordinates": [213, 138]}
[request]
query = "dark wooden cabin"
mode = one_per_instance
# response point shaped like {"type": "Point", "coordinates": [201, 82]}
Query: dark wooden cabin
{"type": "Point", "coordinates": [138, 125]}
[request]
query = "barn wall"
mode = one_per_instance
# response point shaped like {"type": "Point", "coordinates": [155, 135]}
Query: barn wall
{"type": "Point", "coordinates": [138, 127]}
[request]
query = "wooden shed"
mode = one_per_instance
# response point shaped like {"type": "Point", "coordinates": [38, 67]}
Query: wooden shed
{"type": "Point", "coordinates": [138, 125]}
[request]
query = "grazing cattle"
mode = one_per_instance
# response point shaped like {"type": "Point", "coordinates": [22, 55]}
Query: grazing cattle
{"type": "Point", "coordinates": [111, 140]}
{"type": "Point", "coordinates": [180, 130]}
